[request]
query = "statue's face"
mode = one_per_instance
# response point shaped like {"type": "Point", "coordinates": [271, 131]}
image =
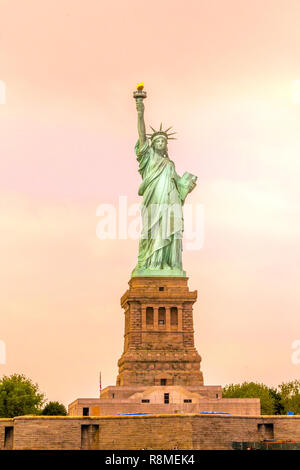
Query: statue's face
{"type": "Point", "coordinates": [160, 144]}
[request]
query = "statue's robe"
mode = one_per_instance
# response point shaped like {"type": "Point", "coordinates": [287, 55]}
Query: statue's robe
{"type": "Point", "coordinates": [163, 192]}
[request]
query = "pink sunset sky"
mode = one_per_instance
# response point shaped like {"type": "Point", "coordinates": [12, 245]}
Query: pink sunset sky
{"type": "Point", "coordinates": [222, 73]}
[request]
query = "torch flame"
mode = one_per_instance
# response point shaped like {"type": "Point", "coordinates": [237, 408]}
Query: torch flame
{"type": "Point", "coordinates": [140, 86]}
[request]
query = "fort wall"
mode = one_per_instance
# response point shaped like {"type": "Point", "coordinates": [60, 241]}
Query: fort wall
{"type": "Point", "coordinates": [182, 431]}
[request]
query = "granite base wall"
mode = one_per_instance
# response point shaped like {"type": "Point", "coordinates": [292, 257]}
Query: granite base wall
{"type": "Point", "coordinates": [105, 407]}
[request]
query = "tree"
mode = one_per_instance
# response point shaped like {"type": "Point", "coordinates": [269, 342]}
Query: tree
{"type": "Point", "coordinates": [290, 396]}
{"type": "Point", "coordinates": [54, 408]}
{"type": "Point", "coordinates": [279, 408]}
{"type": "Point", "coordinates": [19, 396]}
{"type": "Point", "coordinates": [252, 390]}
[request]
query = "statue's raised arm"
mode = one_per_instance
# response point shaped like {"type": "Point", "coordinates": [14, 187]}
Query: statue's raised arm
{"type": "Point", "coordinates": [141, 122]}
{"type": "Point", "coordinates": [139, 96]}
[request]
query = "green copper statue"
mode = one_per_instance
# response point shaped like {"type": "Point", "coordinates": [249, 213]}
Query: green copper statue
{"type": "Point", "coordinates": [164, 193]}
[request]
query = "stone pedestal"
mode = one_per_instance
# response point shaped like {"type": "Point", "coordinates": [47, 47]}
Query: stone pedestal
{"type": "Point", "coordinates": [159, 370]}
{"type": "Point", "coordinates": [159, 336]}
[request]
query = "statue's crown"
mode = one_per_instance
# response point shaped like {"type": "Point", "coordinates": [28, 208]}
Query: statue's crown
{"type": "Point", "coordinates": [161, 133]}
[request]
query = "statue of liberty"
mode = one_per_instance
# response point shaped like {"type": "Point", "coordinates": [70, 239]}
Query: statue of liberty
{"type": "Point", "coordinates": [164, 193]}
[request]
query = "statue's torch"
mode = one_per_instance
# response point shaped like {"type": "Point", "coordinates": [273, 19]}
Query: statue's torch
{"type": "Point", "coordinates": [139, 94]}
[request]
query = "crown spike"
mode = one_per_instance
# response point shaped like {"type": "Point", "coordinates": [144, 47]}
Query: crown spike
{"type": "Point", "coordinates": [162, 133]}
